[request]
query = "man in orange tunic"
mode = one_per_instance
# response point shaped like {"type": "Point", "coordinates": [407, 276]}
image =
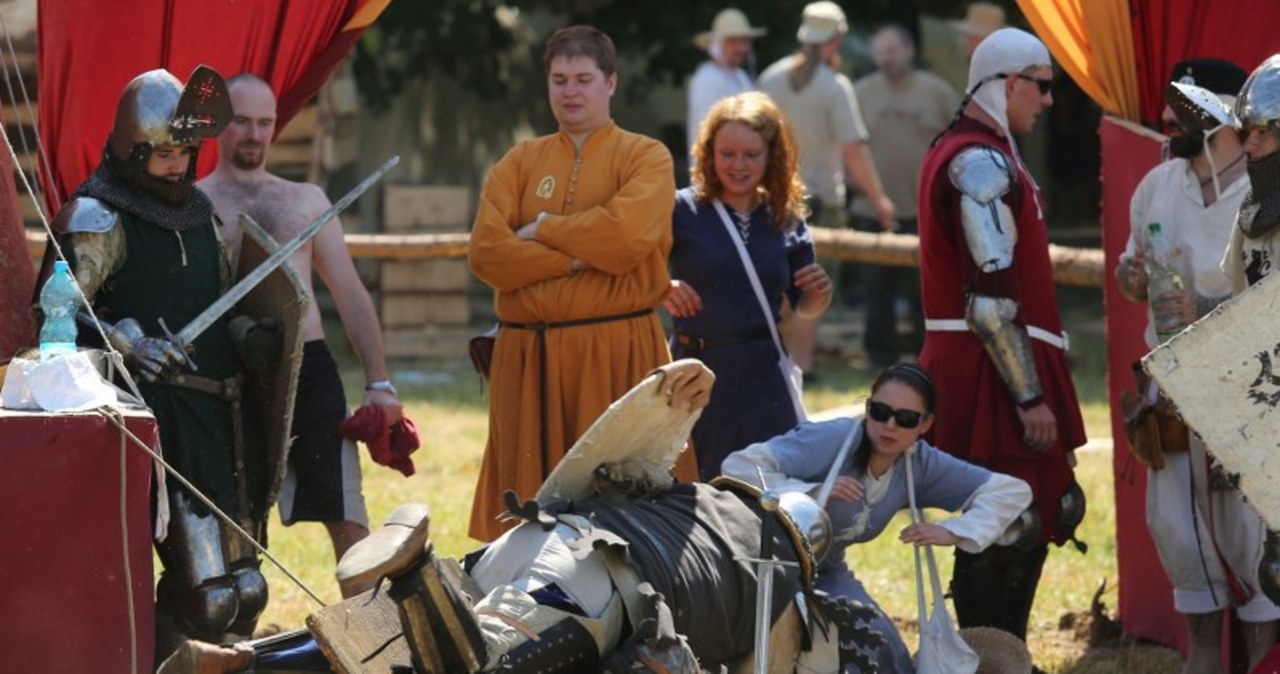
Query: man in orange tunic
{"type": "Point", "coordinates": [572, 233]}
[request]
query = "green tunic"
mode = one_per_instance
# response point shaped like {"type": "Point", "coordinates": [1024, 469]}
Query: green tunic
{"type": "Point", "coordinates": [175, 276]}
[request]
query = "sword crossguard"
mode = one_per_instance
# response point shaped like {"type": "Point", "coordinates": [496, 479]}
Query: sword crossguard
{"type": "Point", "coordinates": [184, 349]}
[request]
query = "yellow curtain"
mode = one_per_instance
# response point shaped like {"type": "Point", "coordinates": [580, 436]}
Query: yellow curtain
{"type": "Point", "coordinates": [1093, 41]}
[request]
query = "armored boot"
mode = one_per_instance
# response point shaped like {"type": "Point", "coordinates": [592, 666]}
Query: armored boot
{"type": "Point", "coordinates": [996, 587]}
{"type": "Point", "coordinates": [451, 629]}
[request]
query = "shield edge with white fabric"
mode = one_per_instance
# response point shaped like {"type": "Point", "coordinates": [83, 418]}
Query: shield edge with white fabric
{"type": "Point", "coordinates": [639, 437]}
{"type": "Point", "coordinates": [1223, 375]}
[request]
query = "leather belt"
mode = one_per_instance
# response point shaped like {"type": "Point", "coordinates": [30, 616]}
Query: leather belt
{"type": "Point", "coordinates": [541, 329]}
{"type": "Point", "coordinates": [1061, 341]}
{"type": "Point", "coordinates": [693, 342]}
{"type": "Point", "coordinates": [229, 390]}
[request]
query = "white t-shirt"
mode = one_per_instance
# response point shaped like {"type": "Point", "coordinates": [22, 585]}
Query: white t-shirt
{"type": "Point", "coordinates": [710, 83]}
{"type": "Point", "coordinates": [824, 116]}
{"type": "Point", "coordinates": [1170, 195]}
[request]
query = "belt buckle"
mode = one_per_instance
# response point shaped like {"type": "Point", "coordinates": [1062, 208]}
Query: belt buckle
{"type": "Point", "coordinates": [693, 342]}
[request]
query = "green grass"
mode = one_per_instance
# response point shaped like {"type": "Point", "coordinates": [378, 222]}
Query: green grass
{"type": "Point", "coordinates": [452, 418]}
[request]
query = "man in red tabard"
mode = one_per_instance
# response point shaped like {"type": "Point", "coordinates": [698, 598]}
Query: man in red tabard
{"type": "Point", "coordinates": [994, 342]}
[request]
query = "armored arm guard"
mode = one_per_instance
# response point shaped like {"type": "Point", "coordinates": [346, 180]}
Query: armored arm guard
{"type": "Point", "coordinates": [1006, 342]}
{"type": "Point", "coordinates": [97, 241]}
{"type": "Point", "coordinates": [983, 175]}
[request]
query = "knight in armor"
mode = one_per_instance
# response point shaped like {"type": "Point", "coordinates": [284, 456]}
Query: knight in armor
{"type": "Point", "coordinates": [144, 247]}
{"type": "Point", "coordinates": [625, 574]}
{"type": "Point", "coordinates": [994, 343]}
{"type": "Point", "coordinates": [1255, 246]}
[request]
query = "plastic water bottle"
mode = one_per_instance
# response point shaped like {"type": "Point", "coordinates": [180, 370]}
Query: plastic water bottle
{"type": "Point", "coordinates": [59, 300]}
{"type": "Point", "coordinates": [1167, 284]}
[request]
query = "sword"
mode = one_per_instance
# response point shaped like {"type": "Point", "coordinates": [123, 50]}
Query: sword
{"type": "Point", "coordinates": [187, 335]}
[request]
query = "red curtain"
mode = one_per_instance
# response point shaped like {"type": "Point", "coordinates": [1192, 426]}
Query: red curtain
{"type": "Point", "coordinates": [1145, 595]}
{"type": "Point", "coordinates": [89, 49]}
{"type": "Point", "coordinates": [1168, 31]}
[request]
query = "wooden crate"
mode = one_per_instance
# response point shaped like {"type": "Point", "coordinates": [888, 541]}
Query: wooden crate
{"type": "Point", "coordinates": [422, 208]}
{"type": "Point", "coordinates": [440, 275]}
{"type": "Point", "coordinates": [428, 341]}
{"type": "Point", "coordinates": [417, 309]}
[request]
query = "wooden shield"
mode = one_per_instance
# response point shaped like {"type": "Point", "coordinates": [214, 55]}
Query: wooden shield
{"type": "Point", "coordinates": [270, 396]}
{"type": "Point", "coordinates": [1223, 374]}
{"type": "Point", "coordinates": [639, 436]}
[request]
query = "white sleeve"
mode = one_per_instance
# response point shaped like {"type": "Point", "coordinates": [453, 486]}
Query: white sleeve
{"type": "Point", "coordinates": [989, 512]}
{"type": "Point", "coordinates": [743, 465]}
{"type": "Point", "coordinates": [706, 88]}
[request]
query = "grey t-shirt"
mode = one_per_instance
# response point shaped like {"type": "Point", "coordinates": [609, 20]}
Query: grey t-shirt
{"type": "Point", "coordinates": [824, 116]}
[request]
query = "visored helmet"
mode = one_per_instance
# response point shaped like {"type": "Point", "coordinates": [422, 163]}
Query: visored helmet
{"type": "Point", "coordinates": [155, 109]}
{"type": "Point", "coordinates": [1259, 101]}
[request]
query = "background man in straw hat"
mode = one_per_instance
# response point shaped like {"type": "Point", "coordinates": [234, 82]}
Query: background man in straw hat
{"type": "Point", "coordinates": [729, 45]}
{"type": "Point", "coordinates": [830, 135]}
{"type": "Point", "coordinates": [980, 20]}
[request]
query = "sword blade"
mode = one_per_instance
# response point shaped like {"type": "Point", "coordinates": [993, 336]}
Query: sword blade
{"type": "Point", "coordinates": [187, 335]}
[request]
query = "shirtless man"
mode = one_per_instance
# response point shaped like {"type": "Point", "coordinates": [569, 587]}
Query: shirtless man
{"type": "Point", "coordinates": [323, 479]}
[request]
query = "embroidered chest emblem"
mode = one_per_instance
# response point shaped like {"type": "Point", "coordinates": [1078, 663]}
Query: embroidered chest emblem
{"type": "Point", "coordinates": [546, 187]}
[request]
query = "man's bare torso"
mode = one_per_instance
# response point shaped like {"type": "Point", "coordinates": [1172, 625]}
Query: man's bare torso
{"type": "Point", "coordinates": [283, 208]}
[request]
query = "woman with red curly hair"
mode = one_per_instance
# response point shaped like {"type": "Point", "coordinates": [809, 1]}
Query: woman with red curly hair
{"type": "Point", "coordinates": [746, 199]}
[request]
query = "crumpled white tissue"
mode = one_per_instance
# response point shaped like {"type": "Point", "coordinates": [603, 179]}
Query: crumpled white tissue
{"type": "Point", "coordinates": [66, 383]}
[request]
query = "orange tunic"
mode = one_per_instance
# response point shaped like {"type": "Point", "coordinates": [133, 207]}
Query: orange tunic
{"type": "Point", "coordinates": [610, 207]}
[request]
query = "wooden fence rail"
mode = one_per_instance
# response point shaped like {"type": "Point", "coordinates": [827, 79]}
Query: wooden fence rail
{"type": "Point", "coordinates": [1071, 266]}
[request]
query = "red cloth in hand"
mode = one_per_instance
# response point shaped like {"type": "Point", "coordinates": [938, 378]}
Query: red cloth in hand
{"type": "Point", "coordinates": [388, 445]}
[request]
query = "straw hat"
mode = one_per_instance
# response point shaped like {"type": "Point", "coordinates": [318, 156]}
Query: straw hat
{"type": "Point", "coordinates": [980, 19]}
{"type": "Point", "coordinates": [999, 652]}
{"type": "Point", "coordinates": [728, 23]}
{"type": "Point", "coordinates": [822, 21]}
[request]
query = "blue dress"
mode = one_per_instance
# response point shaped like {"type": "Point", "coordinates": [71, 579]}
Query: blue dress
{"type": "Point", "coordinates": [750, 401]}
{"type": "Point", "coordinates": [800, 460]}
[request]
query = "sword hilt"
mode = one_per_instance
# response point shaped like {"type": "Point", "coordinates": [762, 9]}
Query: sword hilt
{"type": "Point", "coordinates": [183, 348]}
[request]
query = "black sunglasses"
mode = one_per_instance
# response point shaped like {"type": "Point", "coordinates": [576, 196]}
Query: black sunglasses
{"type": "Point", "coordinates": [882, 413]}
{"type": "Point", "coordinates": [1043, 85]}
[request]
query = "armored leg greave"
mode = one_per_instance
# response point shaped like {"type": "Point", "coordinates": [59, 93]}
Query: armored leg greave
{"type": "Point", "coordinates": [996, 587]}
{"type": "Point", "coordinates": [211, 585]}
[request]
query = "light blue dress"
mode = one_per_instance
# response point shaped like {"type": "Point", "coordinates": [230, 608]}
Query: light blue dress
{"type": "Point", "coordinates": [800, 460]}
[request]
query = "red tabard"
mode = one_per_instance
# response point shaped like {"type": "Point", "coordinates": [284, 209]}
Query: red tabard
{"type": "Point", "coordinates": [977, 418]}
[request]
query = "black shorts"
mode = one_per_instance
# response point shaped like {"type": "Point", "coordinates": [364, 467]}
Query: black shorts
{"type": "Point", "coordinates": [322, 483]}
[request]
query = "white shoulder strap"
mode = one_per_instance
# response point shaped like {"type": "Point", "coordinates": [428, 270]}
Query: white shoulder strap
{"type": "Point", "coordinates": [751, 273]}
{"type": "Point", "coordinates": [784, 361]}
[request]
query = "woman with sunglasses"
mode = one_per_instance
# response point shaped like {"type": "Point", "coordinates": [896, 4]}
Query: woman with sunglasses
{"type": "Point", "coordinates": [871, 485]}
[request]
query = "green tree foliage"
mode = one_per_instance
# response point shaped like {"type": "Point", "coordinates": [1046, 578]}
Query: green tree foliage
{"type": "Point", "coordinates": [476, 42]}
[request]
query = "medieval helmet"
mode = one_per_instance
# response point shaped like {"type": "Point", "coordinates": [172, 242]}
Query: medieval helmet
{"type": "Point", "coordinates": [1259, 101]}
{"type": "Point", "coordinates": [808, 519]}
{"type": "Point", "coordinates": [156, 109]}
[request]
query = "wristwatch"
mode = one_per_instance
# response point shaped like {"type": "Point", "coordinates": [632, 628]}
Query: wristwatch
{"type": "Point", "coordinates": [381, 385]}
